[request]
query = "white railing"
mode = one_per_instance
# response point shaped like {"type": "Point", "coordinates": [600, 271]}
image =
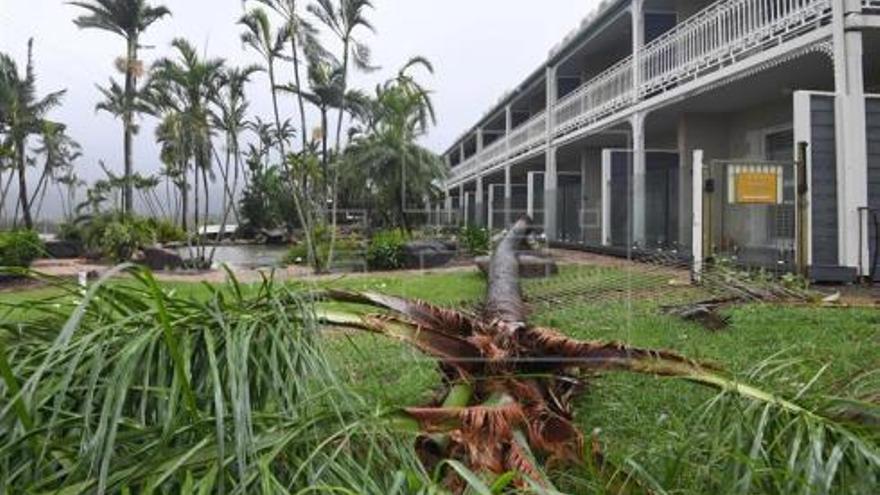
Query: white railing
{"type": "Point", "coordinates": [601, 96]}
{"type": "Point", "coordinates": [529, 135]}
{"type": "Point", "coordinates": [465, 168]}
{"type": "Point", "coordinates": [721, 33]}
{"type": "Point", "coordinates": [871, 5]}
{"type": "Point", "coordinates": [495, 152]}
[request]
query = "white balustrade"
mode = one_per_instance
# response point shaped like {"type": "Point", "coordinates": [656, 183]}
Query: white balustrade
{"type": "Point", "coordinates": [529, 135]}
{"type": "Point", "coordinates": [722, 33]}
{"type": "Point", "coordinates": [601, 96]}
{"type": "Point", "coordinates": [725, 32]}
{"type": "Point", "coordinates": [494, 153]}
{"type": "Point", "coordinates": [871, 5]}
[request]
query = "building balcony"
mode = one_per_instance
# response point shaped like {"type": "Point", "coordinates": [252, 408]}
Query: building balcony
{"type": "Point", "coordinates": [724, 33]}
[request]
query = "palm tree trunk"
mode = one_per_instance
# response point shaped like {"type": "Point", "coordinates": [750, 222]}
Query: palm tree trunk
{"type": "Point", "coordinates": [345, 56]}
{"type": "Point", "coordinates": [184, 200]}
{"type": "Point", "coordinates": [127, 119]}
{"type": "Point", "coordinates": [299, 96]}
{"type": "Point", "coordinates": [275, 110]}
{"type": "Point", "coordinates": [22, 184]}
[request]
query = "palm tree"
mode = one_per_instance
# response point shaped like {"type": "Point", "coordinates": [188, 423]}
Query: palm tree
{"type": "Point", "coordinates": [128, 19]}
{"type": "Point", "coordinates": [303, 39]}
{"type": "Point", "coordinates": [22, 115]}
{"type": "Point", "coordinates": [230, 117]}
{"type": "Point", "coordinates": [385, 154]}
{"type": "Point", "coordinates": [185, 87]}
{"type": "Point", "coordinates": [60, 152]}
{"type": "Point", "coordinates": [343, 20]}
{"type": "Point", "coordinates": [269, 44]}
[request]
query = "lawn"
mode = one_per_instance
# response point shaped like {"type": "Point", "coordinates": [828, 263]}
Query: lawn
{"type": "Point", "coordinates": [827, 348]}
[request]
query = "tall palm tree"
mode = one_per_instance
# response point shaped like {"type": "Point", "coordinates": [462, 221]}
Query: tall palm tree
{"type": "Point", "coordinates": [303, 38]}
{"type": "Point", "coordinates": [230, 116]}
{"type": "Point", "coordinates": [59, 152]}
{"type": "Point", "coordinates": [22, 114]}
{"type": "Point", "coordinates": [385, 154]}
{"type": "Point", "coordinates": [343, 20]}
{"type": "Point", "coordinates": [186, 86]}
{"type": "Point", "coordinates": [269, 44]}
{"type": "Point", "coordinates": [128, 19]}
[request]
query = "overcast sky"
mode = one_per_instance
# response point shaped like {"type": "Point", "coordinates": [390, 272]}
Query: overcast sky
{"type": "Point", "coordinates": [480, 49]}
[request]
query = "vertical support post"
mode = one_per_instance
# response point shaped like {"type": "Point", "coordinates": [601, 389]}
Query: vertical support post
{"type": "Point", "coordinates": [639, 170]}
{"type": "Point", "coordinates": [638, 41]}
{"type": "Point", "coordinates": [851, 136]}
{"type": "Point", "coordinates": [550, 175]}
{"type": "Point", "coordinates": [479, 216]}
{"type": "Point", "coordinates": [508, 197]}
{"type": "Point", "coordinates": [462, 206]}
{"type": "Point", "coordinates": [551, 179]}
{"type": "Point", "coordinates": [461, 152]}
{"type": "Point", "coordinates": [697, 221]}
{"type": "Point", "coordinates": [606, 197]}
{"type": "Point", "coordinates": [803, 191]}
{"type": "Point", "coordinates": [448, 206]}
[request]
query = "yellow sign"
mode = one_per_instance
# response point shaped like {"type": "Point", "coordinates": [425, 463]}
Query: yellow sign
{"type": "Point", "coordinates": [757, 188]}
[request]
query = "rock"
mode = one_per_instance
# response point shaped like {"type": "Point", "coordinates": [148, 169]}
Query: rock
{"type": "Point", "coordinates": [274, 237]}
{"type": "Point", "coordinates": [159, 259]}
{"type": "Point", "coordinates": [63, 250]}
{"type": "Point", "coordinates": [426, 254]}
{"type": "Point", "coordinates": [530, 266]}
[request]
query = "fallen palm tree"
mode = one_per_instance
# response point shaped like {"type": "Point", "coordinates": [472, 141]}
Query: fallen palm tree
{"type": "Point", "coordinates": [509, 386]}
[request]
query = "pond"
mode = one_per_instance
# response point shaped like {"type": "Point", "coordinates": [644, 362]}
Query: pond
{"type": "Point", "coordinates": [246, 256]}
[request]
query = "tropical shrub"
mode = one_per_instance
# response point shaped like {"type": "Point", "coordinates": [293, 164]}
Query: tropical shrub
{"type": "Point", "coordinates": [117, 236]}
{"type": "Point", "coordinates": [345, 246]}
{"type": "Point", "coordinates": [475, 241]}
{"type": "Point", "coordinates": [386, 250]}
{"type": "Point", "coordinates": [19, 248]}
{"type": "Point", "coordinates": [166, 231]}
{"type": "Point", "coordinates": [221, 393]}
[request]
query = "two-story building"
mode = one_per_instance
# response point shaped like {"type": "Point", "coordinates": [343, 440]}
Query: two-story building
{"type": "Point", "coordinates": [602, 144]}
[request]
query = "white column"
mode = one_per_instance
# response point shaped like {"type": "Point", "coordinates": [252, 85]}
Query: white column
{"type": "Point", "coordinates": [639, 158]}
{"type": "Point", "coordinates": [851, 135]}
{"type": "Point", "coordinates": [508, 197]}
{"type": "Point", "coordinates": [697, 218]}
{"type": "Point", "coordinates": [479, 217]}
{"type": "Point", "coordinates": [462, 207]}
{"type": "Point", "coordinates": [606, 197]}
{"type": "Point", "coordinates": [638, 41]}
{"type": "Point", "coordinates": [550, 175]}
{"type": "Point", "coordinates": [448, 206]}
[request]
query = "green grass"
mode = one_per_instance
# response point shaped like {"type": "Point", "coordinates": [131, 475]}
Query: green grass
{"type": "Point", "coordinates": [634, 413]}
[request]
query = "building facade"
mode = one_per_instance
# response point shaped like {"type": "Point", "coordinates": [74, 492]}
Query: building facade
{"type": "Point", "coordinates": [674, 126]}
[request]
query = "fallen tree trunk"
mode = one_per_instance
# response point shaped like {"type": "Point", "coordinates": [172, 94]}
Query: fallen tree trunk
{"type": "Point", "coordinates": [510, 386]}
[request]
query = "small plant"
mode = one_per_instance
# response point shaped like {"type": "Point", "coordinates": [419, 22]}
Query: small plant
{"type": "Point", "coordinates": [19, 248]}
{"type": "Point", "coordinates": [386, 250]}
{"type": "Point", "coordinates": [475, 241]}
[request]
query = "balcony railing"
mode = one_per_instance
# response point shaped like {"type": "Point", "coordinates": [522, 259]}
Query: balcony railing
{"type": "Point", "coordinates": [601, 96]}
{"type": "Point", "coordinates": [722, 33]}
{"type": "Point", "coordinates": [494, 153]}
{"type": "Point", "coordinates": [465, 168]}
{"type": "Point", "coordinates": [529, 135]}
{"type": "Point", "coordinates": [871, 6]}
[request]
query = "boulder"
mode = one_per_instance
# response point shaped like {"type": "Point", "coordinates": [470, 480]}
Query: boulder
{"type": "Point", "coordinates": [530, 266]}
{"type": "Point", "coordinates": [63, 250]}
{"type": "Point", "coordinates": [426, 254]}
{"type": "Point", "coordinates": [159, 259]}
{"type": "Point", "coordinates": [274, 237]}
